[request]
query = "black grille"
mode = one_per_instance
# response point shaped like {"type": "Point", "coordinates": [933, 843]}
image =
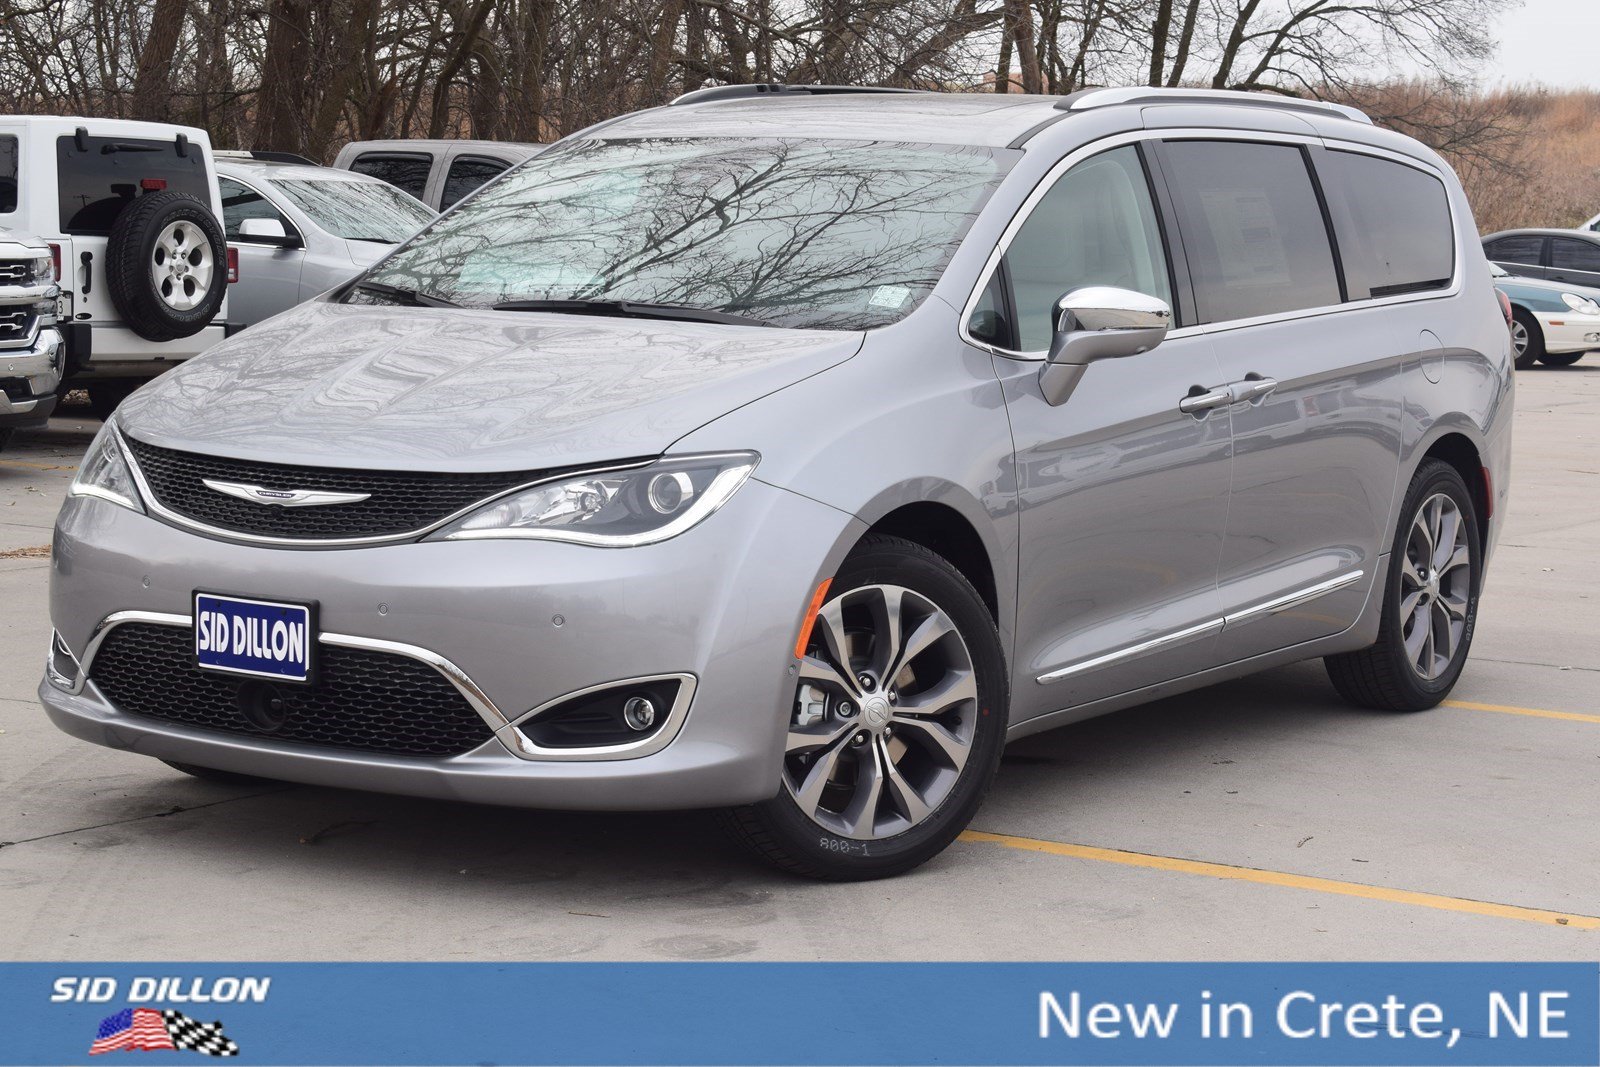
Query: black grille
{"type": "Point", "coordinates": [16, 323]}
{"type": "Point", "coordinates": [400, 501]}
{"type": "Point", "coordinates": [373, 701]}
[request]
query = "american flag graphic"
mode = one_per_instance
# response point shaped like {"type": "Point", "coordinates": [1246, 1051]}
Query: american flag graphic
{"type": "Point", "coordinates": [150, 1030]}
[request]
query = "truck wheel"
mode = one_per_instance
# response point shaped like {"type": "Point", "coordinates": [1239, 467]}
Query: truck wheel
{"type": "Point", "coordinates": [166, 266]}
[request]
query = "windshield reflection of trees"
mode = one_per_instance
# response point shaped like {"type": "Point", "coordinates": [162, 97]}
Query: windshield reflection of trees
{"type": "Point", "coordinates": [803, 233]}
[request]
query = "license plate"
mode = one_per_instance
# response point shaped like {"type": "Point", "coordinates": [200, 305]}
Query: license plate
{"type": "Point", "coordinates": [259, 638]}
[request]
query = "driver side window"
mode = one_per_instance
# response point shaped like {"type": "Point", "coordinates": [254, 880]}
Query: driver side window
{"type": "Point", "coordinates": [1096, 226]}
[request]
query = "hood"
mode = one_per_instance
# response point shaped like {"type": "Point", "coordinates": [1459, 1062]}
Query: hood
{"type": "Point", "coordinates": [456, 390]}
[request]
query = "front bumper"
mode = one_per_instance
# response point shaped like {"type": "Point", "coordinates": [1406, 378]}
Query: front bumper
{"type": "Point", "coordinates": [721, 602]}
{"type": "Point", "coordinates": [30, 377]}
{"type": "Point", "coordinates": [1576, 333]}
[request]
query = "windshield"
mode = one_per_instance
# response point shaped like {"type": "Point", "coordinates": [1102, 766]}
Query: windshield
{"type": "Point", "coordinates": [798, 233]}
{"type": "Point", "coordinates": [357, 211]}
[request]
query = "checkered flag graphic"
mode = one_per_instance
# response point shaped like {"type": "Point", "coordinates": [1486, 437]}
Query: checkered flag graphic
{"type": "Point", "coordinates": [196, 1036]}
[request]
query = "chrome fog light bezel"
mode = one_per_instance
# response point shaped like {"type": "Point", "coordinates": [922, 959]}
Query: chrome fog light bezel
{"type": "Point", "coordinates": [662, 736]}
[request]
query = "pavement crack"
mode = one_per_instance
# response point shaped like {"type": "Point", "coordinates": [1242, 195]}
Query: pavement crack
{"type": "Point", "coordinates": [176, 809]}
{"type": "Point", "coordinates": [1537, 663]}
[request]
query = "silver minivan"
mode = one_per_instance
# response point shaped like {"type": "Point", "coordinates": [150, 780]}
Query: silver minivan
{"type": "Point", "coordinates": [789, 451]}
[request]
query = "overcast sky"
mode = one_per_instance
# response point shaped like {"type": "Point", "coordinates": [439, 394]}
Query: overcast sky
{"type": "Point", "coordinates": [1556, 42]}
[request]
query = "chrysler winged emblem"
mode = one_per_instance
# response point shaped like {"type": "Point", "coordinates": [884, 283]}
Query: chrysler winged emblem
{"type": "Point", "coordinates": [283, 498]}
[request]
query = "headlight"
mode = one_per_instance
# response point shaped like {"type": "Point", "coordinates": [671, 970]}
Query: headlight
{"type": "Point", "coordinates": [1581, 304]}
{"type": "Point", "coordinates": [616, 508]}
{"type": "Point", "coordinates": [104, 473]}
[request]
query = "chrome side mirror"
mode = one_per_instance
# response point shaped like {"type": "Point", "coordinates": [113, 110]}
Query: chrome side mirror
{"type": "Point", "coordinates": [1099, 322]}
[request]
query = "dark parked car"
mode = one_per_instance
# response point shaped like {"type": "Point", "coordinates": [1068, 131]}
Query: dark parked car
{"type": "Point", "coordinates": [1571, 256]}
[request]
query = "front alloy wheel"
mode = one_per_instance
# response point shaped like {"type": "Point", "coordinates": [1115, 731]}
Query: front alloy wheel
{"type": "Point", "coordinates": [897, 722]}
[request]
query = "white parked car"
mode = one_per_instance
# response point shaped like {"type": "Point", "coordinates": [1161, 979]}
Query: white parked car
{"type": "Point", "coordinates": [300, 230]}
{"type": "Point", "coordinates": [1553, 323]}
{"type": "Point", "coordinates": [129, 212]}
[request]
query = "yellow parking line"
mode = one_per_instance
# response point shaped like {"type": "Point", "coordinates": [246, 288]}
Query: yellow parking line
{"type": "Point", "coordinates": [1570, 716]}
{"type": "Point", "coordinates": [1288, 881]}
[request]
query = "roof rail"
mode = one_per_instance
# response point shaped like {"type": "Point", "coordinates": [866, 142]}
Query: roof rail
{"type": "Point", "coordinates": [742, 92]}
{"type": "Point", "coordinates": [1085, 99]}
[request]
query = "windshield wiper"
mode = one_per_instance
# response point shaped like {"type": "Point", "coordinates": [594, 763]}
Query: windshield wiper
{"type": "Point", "coordinates": [406, 296]}
{"type": "Point", "coordinates": [374, 240]}
{"type": "Point", "coordinates": [633, 309]}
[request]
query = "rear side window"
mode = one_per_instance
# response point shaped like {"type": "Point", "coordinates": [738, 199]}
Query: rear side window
{"type": "Point", "coordinates": [1565, 253]}
{"type": "Point", "coordinates": [1253, 229]}
{"type": "Point", "coordinates": [1096, 226]}
{"type": "Point", "coordinates": [1516, 249]}
{"type": "Point", "coordinates": [8, 175]}
{"type": "Point", "coordinates": [240, 202]}
{"type": "Point", "coordinates": [466, 174]}
{"type": "Point", "coordinates": [1393, 222]}
{"type": "Point", "coordinates": [100, 176]}
{"type": "Point", "coordinates": [405, 170]}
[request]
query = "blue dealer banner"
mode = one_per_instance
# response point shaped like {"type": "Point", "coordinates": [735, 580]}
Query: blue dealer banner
{"type": "Point", "coordinates": [799, 1013]}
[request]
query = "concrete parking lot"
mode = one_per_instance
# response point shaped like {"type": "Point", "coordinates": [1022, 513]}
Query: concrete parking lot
{"type": "Point", "coordinates": [1261, 819]}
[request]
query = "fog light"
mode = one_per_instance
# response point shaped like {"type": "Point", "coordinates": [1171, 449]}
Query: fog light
{"type": "Point", "coordinates": [639, 713]}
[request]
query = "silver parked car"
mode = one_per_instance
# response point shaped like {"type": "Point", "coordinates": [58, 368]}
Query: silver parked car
{"type": "Point", "coordinates": [300, 230]}
{"type": "Point", "coordinates": [790, 452]}
{"type": "Point", "coordinates": [438, 172]}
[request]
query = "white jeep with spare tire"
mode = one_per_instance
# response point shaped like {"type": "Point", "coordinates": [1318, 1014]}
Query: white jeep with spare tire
{"type": "Point", "coordinates": [128, 211]}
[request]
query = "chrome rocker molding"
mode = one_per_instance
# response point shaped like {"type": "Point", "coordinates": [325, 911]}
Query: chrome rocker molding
{"type": "Point", "coordinates": [166, 514]}
{"type": "Point", "coordinates": [1206, 629]}
{"type": "Point", "coordinates": [505, 730]}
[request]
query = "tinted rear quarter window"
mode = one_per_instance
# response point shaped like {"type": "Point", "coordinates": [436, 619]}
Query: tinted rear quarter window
{"type": "Point", "coordinates": [1253, 229]}
{"type": "Point", "coordinates": [105, 174]}
{"type": "Point", "coordinates": [8, 175]}
{"type": "Point", "coordinates": [1393, 223]}
{"type": "Point", "coordinates": [1516, 249]}
{"type": "Point", "coordinates": [405, 170]}
{"type": "Point", "coordinates": [466, 174]}
{"type": "Point", "coordinates": [1569, 254]}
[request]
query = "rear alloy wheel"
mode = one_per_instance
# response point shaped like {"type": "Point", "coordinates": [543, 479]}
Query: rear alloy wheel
{"type": "Point", "coordinates": [897, 723]}
{"type": "Point", "coordinates": [1527, 339]}
{"type": "Point", "coordinates": [1431, 601]}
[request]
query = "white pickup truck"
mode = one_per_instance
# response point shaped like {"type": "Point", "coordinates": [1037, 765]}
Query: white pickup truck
{"type": "Point", "coordinates": [128, 214]}
{"type": "Point", "coordinates": [31, 352]}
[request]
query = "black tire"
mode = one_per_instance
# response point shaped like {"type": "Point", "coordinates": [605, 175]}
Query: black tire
{"type": "Point", "coordinates": [1535, 347]}
{"type": "Point", "coordinates": [105, 395]}
{"type": "Point", "coordinates": [131, 253]}
{"type": "Point", "coordinates": [1381, 676]}
{"type": "Point", "coordinates": [781, 833]}
{"type": "Point", "coordinates": [1561, 359]}
{"type": "Point", "coordinates": [211, 774]}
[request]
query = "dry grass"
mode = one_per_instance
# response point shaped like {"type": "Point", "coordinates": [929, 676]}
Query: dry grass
{"type": "Point", "coordinates": [1552, 172]}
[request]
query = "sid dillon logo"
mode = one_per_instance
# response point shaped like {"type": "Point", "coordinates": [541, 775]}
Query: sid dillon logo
{"type": "Point", "coordinates": [154, 1029]}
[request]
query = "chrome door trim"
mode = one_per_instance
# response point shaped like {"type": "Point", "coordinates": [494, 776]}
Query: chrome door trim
{"type": "Point", "coordinates": [1210, 627]}
{"type": "Point", "coordinates": [524, 746]}
{"type": "Point", "coordinates": [1190, 133]}
{"type": "Point", "coordinates": [1292, 600]}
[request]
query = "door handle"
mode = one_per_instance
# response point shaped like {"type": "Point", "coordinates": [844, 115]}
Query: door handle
{"type": "Point", "coordinates": [1201, 400]}
{"type": "Point", "coordinates": [1252, 388]}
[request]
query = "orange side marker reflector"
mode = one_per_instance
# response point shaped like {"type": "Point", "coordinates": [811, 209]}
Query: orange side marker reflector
{"type": "Point", "coordinates": [817, 601]}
